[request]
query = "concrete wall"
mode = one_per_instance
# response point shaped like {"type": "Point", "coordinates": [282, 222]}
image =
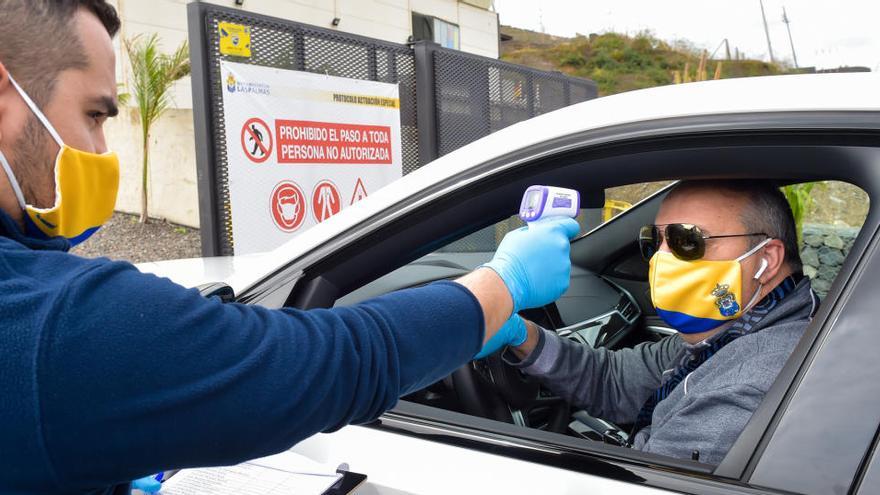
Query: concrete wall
{"type": "Point", "coordinates": [174, 194]}
{"type": "Point", "coordinates": [172, 189]}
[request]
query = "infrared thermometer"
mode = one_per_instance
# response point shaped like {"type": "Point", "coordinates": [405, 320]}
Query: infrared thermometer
{"type": "Point", "coordinates": [548, 201]}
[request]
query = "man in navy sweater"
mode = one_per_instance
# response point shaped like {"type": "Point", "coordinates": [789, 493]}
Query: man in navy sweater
{"type": "Point", "coordinates": [109, 374]}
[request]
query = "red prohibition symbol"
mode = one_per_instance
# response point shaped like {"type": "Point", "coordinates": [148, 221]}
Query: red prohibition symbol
{"type": "Point", "coordinates": [288, 206]}
{"type": "Point", "coordinates": [326, 200]}
{"type": "Point", "coordinates": [256, 140]}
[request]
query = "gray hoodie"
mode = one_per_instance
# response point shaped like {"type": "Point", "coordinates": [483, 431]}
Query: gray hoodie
{"type": "Point", "coordinates": [707, 411]}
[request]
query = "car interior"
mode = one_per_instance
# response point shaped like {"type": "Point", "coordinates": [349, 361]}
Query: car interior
{"type": "Point", "coordinates": [457, 226]}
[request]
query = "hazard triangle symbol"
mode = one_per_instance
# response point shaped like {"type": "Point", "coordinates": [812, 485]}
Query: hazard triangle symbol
{"type": "Point", "coordinates": [360, 192]}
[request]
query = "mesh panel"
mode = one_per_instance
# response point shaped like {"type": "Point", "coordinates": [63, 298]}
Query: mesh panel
{"type": "Point", "coordinates": [461, 96]}
{"type": "Point", "coordinates": [476, 96]}
{"type": "Point", "coordinates": [289, 45]}
{"type": "Point", "coordinates": [335, 58]}
{"type": "Point", "coordinates": [549, 94]}
{"type": "Point", "coordinates": [509, 96]}
{"type": "Point", "coordinates": [581, 91]}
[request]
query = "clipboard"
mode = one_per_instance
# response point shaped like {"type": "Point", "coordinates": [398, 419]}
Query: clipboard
{"type": "Point", "coordinates": [349, 482]}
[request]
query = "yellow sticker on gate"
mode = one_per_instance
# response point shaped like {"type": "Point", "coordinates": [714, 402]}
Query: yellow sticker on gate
{"type": "Point", "coordinates": [235, 39]}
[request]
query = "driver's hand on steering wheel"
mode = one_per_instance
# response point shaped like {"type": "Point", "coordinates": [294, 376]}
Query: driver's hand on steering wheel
{"type": "Point", "coordinates": [520, 334]}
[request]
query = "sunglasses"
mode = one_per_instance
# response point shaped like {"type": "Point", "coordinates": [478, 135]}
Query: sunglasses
{"type": "Point", "coordinates": [687, 242]}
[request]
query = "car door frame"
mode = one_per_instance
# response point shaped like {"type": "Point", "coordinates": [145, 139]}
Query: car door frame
{"type": "Point", "coordinates": [852, 128]}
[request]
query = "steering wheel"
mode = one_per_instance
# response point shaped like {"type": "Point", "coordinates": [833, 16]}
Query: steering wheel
{"type": "Point", "coordinates": [493, 389]}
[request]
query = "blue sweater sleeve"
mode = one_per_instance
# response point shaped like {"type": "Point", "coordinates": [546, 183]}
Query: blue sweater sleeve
{"type": "Point", "coordinates": [137, 374]}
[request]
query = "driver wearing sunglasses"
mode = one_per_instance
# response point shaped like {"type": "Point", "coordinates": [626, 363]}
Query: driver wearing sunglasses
{"type": "Point", "coordinates": [725, 273]}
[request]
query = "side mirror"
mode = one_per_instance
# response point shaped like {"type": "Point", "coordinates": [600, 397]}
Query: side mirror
{"type": "Point", "coordinates": [217, 289]}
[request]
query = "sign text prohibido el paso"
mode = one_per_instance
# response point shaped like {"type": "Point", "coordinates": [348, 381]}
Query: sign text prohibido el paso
{"type": "Point", "coordinates": [302, 147]}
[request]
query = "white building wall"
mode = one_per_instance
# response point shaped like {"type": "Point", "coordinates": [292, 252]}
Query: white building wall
{"type": "Point", "coordinates": [173, 191]}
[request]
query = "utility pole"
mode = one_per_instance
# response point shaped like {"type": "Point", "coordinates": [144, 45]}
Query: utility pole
{"type": "Point", "coordinates": [726, 49]}
{"type": "Point", "coordinates": [790, 40]}
{"type": "Point", "coordinates": [767, 32]}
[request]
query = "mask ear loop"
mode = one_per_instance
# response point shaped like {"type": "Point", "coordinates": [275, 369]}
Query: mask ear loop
{"type": "Point", "coordinates": [36, 110]}
{"type": "Point", "coordinates": [761, 270]}
{"type": "Point", "coordinates": [754, 249]}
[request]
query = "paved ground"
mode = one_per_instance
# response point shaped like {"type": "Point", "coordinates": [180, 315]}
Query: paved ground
{"type": "Point", "coordinates": [123, 238]}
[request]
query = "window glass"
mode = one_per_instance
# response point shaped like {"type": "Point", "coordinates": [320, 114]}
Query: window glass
{"type": "Point", "coordinates": [617, 200]}
{"type": "Point", "coordinates": [446, 34]}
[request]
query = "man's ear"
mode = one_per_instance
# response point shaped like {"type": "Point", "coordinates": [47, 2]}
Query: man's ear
{"type": "Point", "coordinates": [774, 253]}
{"type": "Point", "coordinates": [5, 86]}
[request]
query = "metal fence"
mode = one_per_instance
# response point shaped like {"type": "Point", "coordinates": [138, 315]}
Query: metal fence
{"type": "Point", "coordinates": [447, 98]}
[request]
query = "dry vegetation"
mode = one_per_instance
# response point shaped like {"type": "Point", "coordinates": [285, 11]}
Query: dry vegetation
{"type": "Point", "coordinates": [618, 62]}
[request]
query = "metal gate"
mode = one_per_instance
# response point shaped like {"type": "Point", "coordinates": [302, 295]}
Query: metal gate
{"type": "Point", "coordinates": [447, 98]}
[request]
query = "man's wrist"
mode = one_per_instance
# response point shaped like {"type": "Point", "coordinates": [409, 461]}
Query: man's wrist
{"type": "Point", "coordinates": [523, 350]}
{"type": "Point", "coordinates": [492, 294]}
{"type": "Point", "coordinates": [499, 271]}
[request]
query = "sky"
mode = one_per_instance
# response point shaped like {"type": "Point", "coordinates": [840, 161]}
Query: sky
{"type": "Point", "coordinates": [826, 34]}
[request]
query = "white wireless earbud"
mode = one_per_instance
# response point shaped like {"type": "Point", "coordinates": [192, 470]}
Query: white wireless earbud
{"type": "Point", "coordinates": [761, 270]}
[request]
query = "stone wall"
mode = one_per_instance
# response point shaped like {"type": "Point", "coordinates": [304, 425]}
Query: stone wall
{"type": "Point", "coordinates": [825, 247]}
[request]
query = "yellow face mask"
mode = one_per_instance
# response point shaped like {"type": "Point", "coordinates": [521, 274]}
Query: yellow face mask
{"type": "Point", "coordinates": [698, 296]}
{"type": "Point", "coordinates": [85, 189]}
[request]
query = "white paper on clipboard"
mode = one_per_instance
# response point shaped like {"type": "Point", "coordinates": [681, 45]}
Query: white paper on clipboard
{"type": "Point", "coordinates": [281, 474]}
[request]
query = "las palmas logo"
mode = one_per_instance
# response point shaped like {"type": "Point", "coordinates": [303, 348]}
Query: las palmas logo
{"type": "Point", "coordinates": [233, 85]}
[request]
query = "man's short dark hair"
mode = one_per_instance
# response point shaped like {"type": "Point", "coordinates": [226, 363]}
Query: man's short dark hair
{"type": "Point", "coordinates": [38, 40]}
{"type": "Point", "coordinates": [766, 211]}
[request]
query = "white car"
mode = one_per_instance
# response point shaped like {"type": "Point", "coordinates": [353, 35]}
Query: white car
{"type": "Point", "coordinates": [487, 429]}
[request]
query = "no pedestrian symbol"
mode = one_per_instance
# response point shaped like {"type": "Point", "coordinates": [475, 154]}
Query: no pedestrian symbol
{"type": "Point", "coordinates": [288, 205]}
{"type": "Point", "coordinates": [256, 140]}
{"type": "Point", "coordinates": [325, 200]}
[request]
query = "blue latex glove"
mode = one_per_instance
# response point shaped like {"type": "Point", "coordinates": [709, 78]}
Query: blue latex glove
{"type": "Point", "coordinates": [513, 332]}
{"type": "Point", "coordinates": [534, 262]}
{"type": "Point", "coordinates": [148, 484]}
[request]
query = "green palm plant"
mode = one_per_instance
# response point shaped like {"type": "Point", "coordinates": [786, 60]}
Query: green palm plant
{"type": "Point", "coordinates": [800, 200]}
{"type": "Point", "coordinates": [153, 73]}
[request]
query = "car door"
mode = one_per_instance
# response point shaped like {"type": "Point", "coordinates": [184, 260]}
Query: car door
{"type": "Point", "coordinates": [822, 436]}
{"type": "Point", "coordinates": [778, 146]}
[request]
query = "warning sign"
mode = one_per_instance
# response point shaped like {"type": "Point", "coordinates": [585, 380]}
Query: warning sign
{"type": "Point", "coordinates": [321, 143]}
{"type": "Point", "coordinates": [235, 39]}
{"type": "Point", "coordinates": [360, 192]}
{"type": "Point", "coordinates": [301, 141]}
{"type": "Point", "coordinates": [256, 140]}
{"type": "Point", "coordinates": [288, 206]}
{"type": "Point", "coordinates": [325, 200]}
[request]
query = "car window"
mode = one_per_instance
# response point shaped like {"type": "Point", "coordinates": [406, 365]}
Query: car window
{"type": "Point", "coordinates": [829, 215]}
{"type": "Point", "coordinates": [617, 200]}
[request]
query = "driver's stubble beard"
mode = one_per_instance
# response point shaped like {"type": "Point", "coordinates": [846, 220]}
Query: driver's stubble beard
{"type": "Point", "coordinates": [33, 163]}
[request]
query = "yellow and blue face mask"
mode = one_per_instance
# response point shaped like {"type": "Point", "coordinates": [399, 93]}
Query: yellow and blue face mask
{"type": "Point", "coordinates": [86, 185]}
{"type": "Point", "coordinates": [700, 295]}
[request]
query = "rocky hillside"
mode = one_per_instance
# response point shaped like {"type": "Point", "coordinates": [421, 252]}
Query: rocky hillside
{"type": "Point", "coordinates": [618, 62]}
